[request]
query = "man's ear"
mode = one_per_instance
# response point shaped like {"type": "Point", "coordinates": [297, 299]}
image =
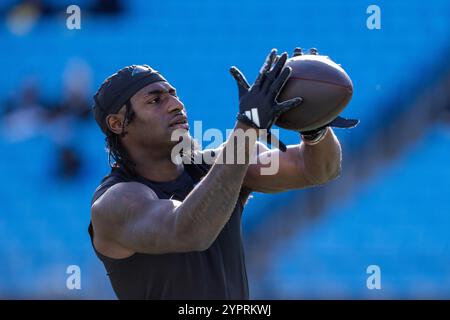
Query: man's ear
{"type": "Point", "coordinates": [115, 122]}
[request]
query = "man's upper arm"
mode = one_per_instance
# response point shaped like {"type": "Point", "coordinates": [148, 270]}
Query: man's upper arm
{"type": "Point", "coordinates": [131, 216]}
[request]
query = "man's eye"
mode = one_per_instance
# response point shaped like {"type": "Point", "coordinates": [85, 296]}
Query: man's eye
{"type": "Point", "coordinates": [153, 101]}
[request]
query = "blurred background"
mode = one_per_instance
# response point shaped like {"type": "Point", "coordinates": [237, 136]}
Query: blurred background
{"type": "Point", "coordinates": [389, 208]}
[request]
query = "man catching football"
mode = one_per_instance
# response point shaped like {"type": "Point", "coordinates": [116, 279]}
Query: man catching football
{"type": "Point", "coordinates": [167, 230]}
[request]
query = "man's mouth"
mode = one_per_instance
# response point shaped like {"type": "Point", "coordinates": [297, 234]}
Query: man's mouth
{"type": "Point", "coordinates": [179, 121]}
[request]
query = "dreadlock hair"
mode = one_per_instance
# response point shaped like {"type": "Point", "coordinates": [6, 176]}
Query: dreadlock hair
{"type": "Point", "coordinates": [117, 154]}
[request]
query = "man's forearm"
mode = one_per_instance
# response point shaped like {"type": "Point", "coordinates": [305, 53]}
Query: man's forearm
{"type": "Point", "coordinates": [205, 211]}
{"type": "Point", "coordinates": [322, 161]}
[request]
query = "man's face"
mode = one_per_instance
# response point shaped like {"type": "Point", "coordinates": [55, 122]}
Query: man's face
{"type": "Point", "coordinates": [158, 112]}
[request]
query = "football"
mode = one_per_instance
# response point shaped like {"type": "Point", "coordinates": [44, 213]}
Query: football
{"type": "Point", "coordinates": [325, 87]}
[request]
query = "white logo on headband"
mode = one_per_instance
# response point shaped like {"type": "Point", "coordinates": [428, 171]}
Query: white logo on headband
{"type": "Point", "coordinates": [139, 69]}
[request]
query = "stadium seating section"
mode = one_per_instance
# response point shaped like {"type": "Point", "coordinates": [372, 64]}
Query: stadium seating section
{"type": "Point", "coordinates": [398, 220]}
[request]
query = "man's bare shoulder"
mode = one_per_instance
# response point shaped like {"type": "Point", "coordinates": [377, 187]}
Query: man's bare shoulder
{"type": "Point", "coordinates": [120, 199]}
{"type": "Point", "coordinates": [125, 191]}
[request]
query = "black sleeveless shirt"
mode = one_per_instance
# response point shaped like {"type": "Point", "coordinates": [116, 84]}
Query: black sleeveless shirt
{"type": "Point", "coordinates": [216, 273]}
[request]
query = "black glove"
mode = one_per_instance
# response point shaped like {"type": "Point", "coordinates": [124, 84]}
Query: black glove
{"type": "Point", "coordinates": [314, 136]}
{"type": "Point", "coordinates": [257, 104]}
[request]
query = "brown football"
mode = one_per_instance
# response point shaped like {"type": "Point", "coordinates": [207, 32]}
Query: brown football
{"type": "Point", "coordinates": [325, 87]}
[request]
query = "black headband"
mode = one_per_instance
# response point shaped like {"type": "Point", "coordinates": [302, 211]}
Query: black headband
{"type": "Point", "coordinates": [117, 89]}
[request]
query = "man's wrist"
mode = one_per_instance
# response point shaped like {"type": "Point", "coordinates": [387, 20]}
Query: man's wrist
{"type": "Point", "coordinates": [315, 137]}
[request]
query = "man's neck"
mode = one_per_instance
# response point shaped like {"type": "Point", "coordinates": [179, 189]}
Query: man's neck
{"type": "Point", "coordinates": [158, 168]}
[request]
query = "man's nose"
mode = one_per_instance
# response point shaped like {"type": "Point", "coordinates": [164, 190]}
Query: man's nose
{"type": "Point", "coordinates": [175, 105]}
